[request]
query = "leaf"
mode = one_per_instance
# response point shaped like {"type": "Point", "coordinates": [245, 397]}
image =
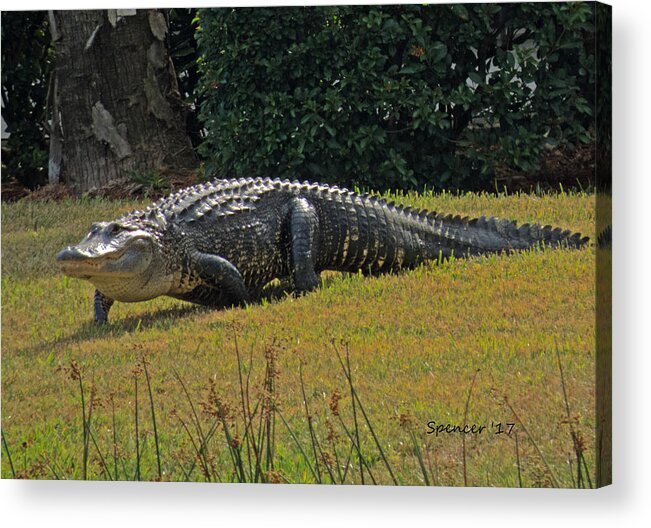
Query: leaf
{"type": "Point", "coordinates": [409, 70]}
{"type": "Point", "coordinates": [475, 77]}
{"type": "Point", "coordinates": [437, 51]}
{"type": "Point", "coordinates": [460, 11]}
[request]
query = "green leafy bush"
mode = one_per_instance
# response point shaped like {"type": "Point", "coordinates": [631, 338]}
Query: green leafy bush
{"type": "Point", "coordinates": [394, 96]}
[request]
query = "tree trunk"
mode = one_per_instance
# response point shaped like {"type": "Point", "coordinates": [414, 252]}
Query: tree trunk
{"type": "Point", "coordinates": [119, 113]}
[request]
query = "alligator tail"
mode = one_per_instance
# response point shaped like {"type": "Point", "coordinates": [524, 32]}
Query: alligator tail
{"type": "Point", "coordinates": [448, 235]}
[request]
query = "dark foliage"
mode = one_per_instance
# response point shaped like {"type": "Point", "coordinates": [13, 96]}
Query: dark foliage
{"type": "Point", "coordinates": [395, 96]}
{"type": "Point", "coordinates": [26, 66]}
{"type": "Point", "coordinates": [183, 50]}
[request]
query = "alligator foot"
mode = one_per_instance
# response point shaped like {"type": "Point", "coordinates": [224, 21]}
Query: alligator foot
{"type": "Point", "coordinates": [219, 273]}
{"type": "Point", "coordinates": [102, 305]}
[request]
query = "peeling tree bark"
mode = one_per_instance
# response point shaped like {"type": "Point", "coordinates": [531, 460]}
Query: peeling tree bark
{"type": "Point", "coordinates": [118, 102]}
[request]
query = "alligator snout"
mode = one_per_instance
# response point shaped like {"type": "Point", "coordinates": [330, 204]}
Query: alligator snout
{"type": "Point", "coordinates": [70, 254]}
{"type": "Point", "coordinates": [74, 263]}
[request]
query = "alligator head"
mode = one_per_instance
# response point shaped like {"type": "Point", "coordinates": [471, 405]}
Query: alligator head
{"type": "Point", "coordinates": [124, 262]}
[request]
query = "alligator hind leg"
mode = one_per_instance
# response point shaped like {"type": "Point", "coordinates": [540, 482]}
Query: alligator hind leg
{"type": "Point", "coordinates": [220, 274]}
{"type": "Point", "coordinates": [303, 226]}
{"type": "Point", "coordinates": [102, 305]}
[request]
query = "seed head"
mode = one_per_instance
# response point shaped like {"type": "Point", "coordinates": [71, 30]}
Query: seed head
{"type": "Point", "coordinates": [334, 402]}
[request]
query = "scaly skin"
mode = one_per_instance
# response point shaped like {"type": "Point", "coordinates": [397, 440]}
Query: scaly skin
{"type": "Point", "coordinates": [221, 242]}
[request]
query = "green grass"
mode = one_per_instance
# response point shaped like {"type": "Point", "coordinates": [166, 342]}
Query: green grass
{"type": "Point", "coordinates": [247, 394]}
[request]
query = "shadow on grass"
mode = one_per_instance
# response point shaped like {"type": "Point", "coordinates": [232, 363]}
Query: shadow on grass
{"type": "Point", "coordinates": [89, 330]}
{"type": "Point", "coordinates": [161, 319]}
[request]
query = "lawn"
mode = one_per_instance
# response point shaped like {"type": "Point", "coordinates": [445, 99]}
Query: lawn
{"type": "Point", "coordinates": [335, 386]}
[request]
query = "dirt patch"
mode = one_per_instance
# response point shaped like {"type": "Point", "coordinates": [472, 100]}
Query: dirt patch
{"type": "Point", "coordinates": [165, 183]}
{"type": "Point", "coordinates": [571, 169]}
{"type": "Point", "coordinates": [117, 190]}
{"type": "Point", "coordinates": [51, 191]}
{"type": "Point", "coordinates": [13, 191]}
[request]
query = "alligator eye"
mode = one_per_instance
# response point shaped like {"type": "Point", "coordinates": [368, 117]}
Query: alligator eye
{"type": "Point", "coordinates": [113, 229]}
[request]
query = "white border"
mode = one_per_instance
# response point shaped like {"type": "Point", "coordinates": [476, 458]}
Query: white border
{"type": "Point", "coordinates": [107, 504]}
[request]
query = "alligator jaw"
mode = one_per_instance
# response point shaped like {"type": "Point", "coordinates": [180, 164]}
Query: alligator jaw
{"type": "Point", "coordinates": [78, 264]}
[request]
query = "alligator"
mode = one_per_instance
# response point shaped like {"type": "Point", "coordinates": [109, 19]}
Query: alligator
{"type": "Point", "coordinates": [219, 243]}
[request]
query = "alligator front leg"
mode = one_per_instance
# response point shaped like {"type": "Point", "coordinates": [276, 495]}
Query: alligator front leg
{"type": "Point", "coordinates": [219, 273]}
{"type": "Point", "coordinates": [102, 305]}
{"type": "Point", "coordinates": [304, 224]}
